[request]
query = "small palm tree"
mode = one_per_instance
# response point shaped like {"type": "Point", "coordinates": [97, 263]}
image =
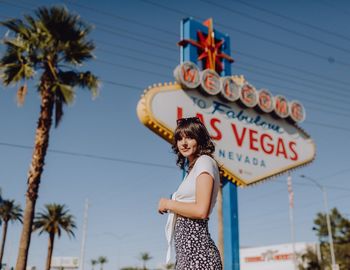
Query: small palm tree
{"type": "Point", "coordinates": [9, 211]}
{"type": "Point", "coordinates": [102, 260]}
{"type": "Point", "coordinates": [53, 220]}
{"type": "Point", "coordinates": [93, 263]}
{"type": "Point", "coordinates": [51, 46]}
{"type": "Point", "coordinates": [145, 257]}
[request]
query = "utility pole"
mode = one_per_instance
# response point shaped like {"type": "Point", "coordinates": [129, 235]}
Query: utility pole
{"type": "Point", "coordinates": [291, 218]}
{"type": "Point", "coordinates": [82, 251]}
{"type": "Point", "coordinates": [325, 201]}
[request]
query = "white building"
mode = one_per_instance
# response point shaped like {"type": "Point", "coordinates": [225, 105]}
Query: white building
{"type": "Point", "coordinates": [66, 263]}
{"type": "Point", "coordinates": [275, 257]}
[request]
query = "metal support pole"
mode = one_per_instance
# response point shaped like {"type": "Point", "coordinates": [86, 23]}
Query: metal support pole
{"type": "Point", "coordinates": [82, 251]}
{"type": "Point", "coordinates": [230, 221]}
{"type": "Point", "coordinates": [291, 219]}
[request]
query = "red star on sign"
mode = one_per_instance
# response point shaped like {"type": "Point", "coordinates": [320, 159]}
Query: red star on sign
{"type": "Point", "coordinates": [209, 51]}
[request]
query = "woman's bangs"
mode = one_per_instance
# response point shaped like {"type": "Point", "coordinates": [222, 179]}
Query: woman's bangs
{"type": "Point", "coordinates": [184, 132]}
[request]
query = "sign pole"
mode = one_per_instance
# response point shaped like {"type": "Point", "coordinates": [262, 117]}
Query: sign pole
{"type": "Point", "coordinates": [230, 222]}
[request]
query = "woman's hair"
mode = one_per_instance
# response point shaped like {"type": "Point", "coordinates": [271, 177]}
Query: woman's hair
{"type": "Point", "coordinates": [192, 128]}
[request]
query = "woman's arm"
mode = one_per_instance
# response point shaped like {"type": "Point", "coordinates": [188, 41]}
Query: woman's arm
{"type": "Point", "coordinates": [197, 210]}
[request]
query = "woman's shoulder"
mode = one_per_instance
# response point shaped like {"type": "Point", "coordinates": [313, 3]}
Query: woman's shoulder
{"type": "Point", "coordinates": [205, 159]}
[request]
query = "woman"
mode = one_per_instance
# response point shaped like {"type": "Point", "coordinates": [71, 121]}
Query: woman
{"type": "Point", "coordinates": [194, 200]}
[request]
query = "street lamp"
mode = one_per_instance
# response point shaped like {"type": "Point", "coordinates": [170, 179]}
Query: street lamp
{"type": "Point", "coordinates": [325, 201]}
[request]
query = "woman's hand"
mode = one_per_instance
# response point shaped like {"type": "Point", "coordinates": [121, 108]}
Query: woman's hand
{"type": "Point", "coordinates": [163, 206]}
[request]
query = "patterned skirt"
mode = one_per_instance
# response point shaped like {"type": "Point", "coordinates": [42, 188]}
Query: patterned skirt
{"type": "Point", "coordinates": [194, 247]}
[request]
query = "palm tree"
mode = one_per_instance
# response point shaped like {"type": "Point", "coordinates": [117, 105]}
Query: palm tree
{"type": "Point", "coordinates": [50, 45]}
{"type": "Point", "coordinates": [93, 263]}
{"type": "Point", "coordinates": [53, 220]}
{"type": "Point", "coordinates": [9, 211]}
{"type": "Point", "coordinates": [102, 260]}
{"type": "Point", "coordinates": [145, 257]}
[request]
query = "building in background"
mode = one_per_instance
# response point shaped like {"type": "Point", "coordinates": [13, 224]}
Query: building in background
{"type": "Point", "coordinates": [275, 257]}
{"type": "Point", "coordinates": [66, 263]}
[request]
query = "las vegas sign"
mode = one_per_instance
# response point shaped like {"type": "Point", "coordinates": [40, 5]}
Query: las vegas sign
{"type": "Point", "coordinates": [256, 134]}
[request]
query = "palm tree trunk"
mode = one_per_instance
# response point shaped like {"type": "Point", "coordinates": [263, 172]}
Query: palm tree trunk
{"type": "Point", "coordinates": [4, 232]}
{"type": "Point", "coordinates": [34, 174]}
{"type": "Point", "coordinates": [220, 226]}
{"type": "Point", "coordinates": [49, 251]}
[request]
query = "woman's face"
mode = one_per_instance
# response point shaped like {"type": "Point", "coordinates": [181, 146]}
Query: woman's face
{"type": "Point", "coordinates": [187, 147]}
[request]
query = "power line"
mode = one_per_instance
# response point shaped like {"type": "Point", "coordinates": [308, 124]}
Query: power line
{"type": "Point", "coordinates": [256, 72]}
{"type": "Point", "coordinates": [329, 4]}
{"type": "Point", "coordinates": [158, 74]}
{"type": "Point", "coordinates": [296, 83]}
{"type": "Point", "coordinates": [313, 83]}
{"type": "Point", "coordinates": [304, 98]}
{"type": "Point", "coordinates": [136, 58]}
{"type": "Point", "coordinates": [137, 51]}
{"type": "Point", "coordinates": [303, 71]}
{"type": "Point", "coordinates": [100, 157]}
{"type": "Point", "coordinates": [293, 89]}
{"type": "Point", "coordinates": [118, 17]}
{"type": "Point", "coordinates": [274, 42]}
{"type": "Point", "coordinates": [292, 19]}
{"type": "Point", "coordinates": [154, 44]}
{"type": "Point", "coordinates": [132, 68]}
{"type": "Point", "coordinates": [264, 69]}
{"type": "Point", "coordinates": [278, 26]}
{"type": "Point", "coordinates": [92, 156]}
{"type": "Point", "coordinates": [137, 39]}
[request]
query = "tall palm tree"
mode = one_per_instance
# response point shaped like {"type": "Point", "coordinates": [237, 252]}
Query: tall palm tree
{"type": "Point", "coordinates": [9, 211]}
{"type": "Point", "coordinates": [145, 257]}
{"type": "Point", "coordinates": [93, 263]}
{"type": "Point", "coordinates": [102, 260]}
{"type": "Point", "coordinates": [50, 45]}
{"type": "Point", "coordinates": [53, 220]}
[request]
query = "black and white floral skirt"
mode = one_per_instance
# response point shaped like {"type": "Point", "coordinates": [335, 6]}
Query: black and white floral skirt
{"type": "Point", "coordinates": [194, 247]}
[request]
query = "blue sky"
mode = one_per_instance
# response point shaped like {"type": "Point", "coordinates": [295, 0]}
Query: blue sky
{"type": "Point", "coordinates": [102, 152]}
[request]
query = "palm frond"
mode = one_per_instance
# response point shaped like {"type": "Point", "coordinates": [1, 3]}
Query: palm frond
{"type": "Point", "coordinates": [80, 79]}
{"type": "Point", "coordinates": [58, 111]}
{"type": "Point", "coordinates": [18, 27]}
{"type": "Point", "coordinates": [21, 94]}
{"type": "Point", "coordinates": [78, 52]}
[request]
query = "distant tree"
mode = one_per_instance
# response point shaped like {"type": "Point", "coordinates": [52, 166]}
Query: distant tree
{"type": "Point", "coordinates": [145, 257]}
{"type": "Point", "coordinates": [93, 263]}
{"type": "Point", "coordinates": [310, 261]}
{"type": "Point", "coordinates": [9, 211]}
{"type": "Point", "coordinates": [53, 220]}
{"type": "Point", "coordinates": [51, 46]}
{"type": "Point", "coordinates": [168, 266]}
{"type": "Point", "coordinates": [102, 260]}
{"type": "Point", "coordinates": [341, 241]}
